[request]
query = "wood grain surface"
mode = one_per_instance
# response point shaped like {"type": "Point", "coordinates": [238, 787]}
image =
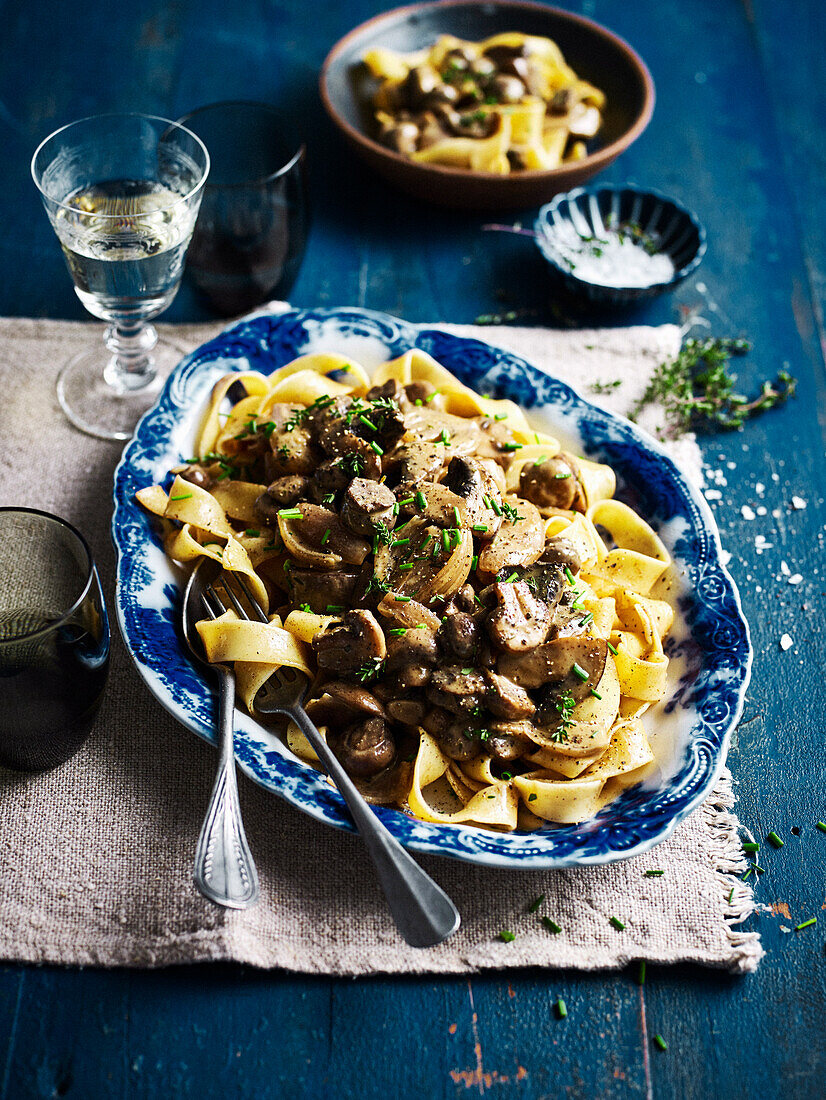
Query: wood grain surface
{"type": "Point", "coordinates": [738, 135]}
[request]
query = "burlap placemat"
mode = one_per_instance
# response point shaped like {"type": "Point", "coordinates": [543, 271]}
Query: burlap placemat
{"type": "Point", "coordinates": [96, 856]}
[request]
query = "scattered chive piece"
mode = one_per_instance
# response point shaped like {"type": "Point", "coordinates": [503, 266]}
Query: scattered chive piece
{"type": "Point", "coordinates": [569, 577]}
{"type": "Point", "coordinates": [641, 973]}
{"type": "Point", "coordinates": [474, 561]}
{"type": "Point", "coordinates": [614, 651]}
{"type": "Point", "coordinates": [659, 1042]}
{"type": "Point", "coordinates": [183, 496]}
{"type": "Point", "coordinates": [396, 508]}
{"type": "Point", "coordinates": [822, 826]}
{"type": "Point", "coordinates": [407, 500]}
{"type": "Point", "coordinates": [805, 923]}
{"type": "Point", "coordinates": [654, 874]}
{"type": "Point", "coordinates": [456, 515]}
{"type": "Point", "coordinates": [595, 694]}
{"type": "Point", "coordinates": [513, 577]}
{"type": "Point", "coordinates": [291, 513]}
{"type": "Point", "coordinates": [748, 846]}
{"type": "Point", "coordinates": [325, 537]}
{"type": "Point", "coordinates": [495, 507]}
{"type": "Point", "coordinates": [531, 797]}
{"type": "Point", "coordinates": [444, 437]}
{"type": "Point", "coordinates": [532, 908]}
{"type": "Point", "coordinates": [400, 542]}
{"type": "Point", "coordinates": [407, 565]}
{"type": "Point", "coordinates": [746, 875]}
{"type": "Point", "coordinates": [418, 401]}
{"type": "Point", "coordinates": [402, 599]}
{"type": "Point", "coordinates": [445, 540]}
{"type": "Point", "coordinates": [511, 446]}
{"type": "Point", "coordinates": [501, 416]}
{"type": "Point", "coordinates": [580, 672]}
{"type": "Point", "coordinates": [398, 631]}
{"type": "Point", "coordinates": [376, 447]}
{"type": "Point", "coordinates": [561, 1009]}
{"type": "Point", "coordinates": [730, 895]}
{"type": "Point", "coordinates": [775, 840]}
{"type": "Point", "coordinates": [551, 925]}
{"type": "Point", "coordinates": [759, 870]}
{"type": "Point", "coordinates": [536, 436]}
{"type": "Point", "coordinates": [466, 671]}
{"type": "Point", "coordinates": [480, 527]}
{"type": "Point", "coordinates": [332, 608]}
{"type": "Point", "coordinates": [506, 775]}
{"type": "Point", "coordinates": [430, 396]}
{"type": "Point", "coordinates": [561, 477]}
{"type": "Point", "coordinates": [617, 923]}
{"type": "Point", "coordinates": [507, 936]}
{"type": "Point", "coordinates": [369, 423]}
{"type": "Point", "coordinates": [421, 499]}
{"type": "Point", "coordinates": [252, 533]}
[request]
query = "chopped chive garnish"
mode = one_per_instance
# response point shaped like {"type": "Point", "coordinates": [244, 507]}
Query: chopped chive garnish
{"type": "Point", "coordinates": [805, 924]}
{"type": "Point", "coordinates": [427, 542]}
{"type": "Point", "coordinates": [396, 509]}
{"type": "Point", "coordinates": [513, 577]}
{"type": "Point", "coordinates": [641, 973]}
{"type": "Point", "coordinates": [456, 515]}
{"type": "Point", "coordinates": [291, 513]}
{"type": "Point", "coordinates": [536, 436]}
{"type": "Point", "coordinates": [561, 1008]}
{"type": "Point", "coordinates": [746, 875]}
{"type": "Point", "coordinates": [487, 501]}
{"type": "Point", "coordinates": [474, 562]}
{"type": "Point", "coordinates": [445, 540]}
{"type": "Point", "coordinates": [775, 840]}
{"type": "Point", "coordinates": [659, 1042]}
{"type": "Point", "coordinates": [507, 936]}
{"type": "Point", "coordinates": [749, 846]}
{"type": "Point", "coordinates": [407, 565]}
{"type": "Point", "coordinates": [183, 496]}
{"type": "Point", "coordinates": [480, 527]}
{"type": "Point", "coordinates": [501, 416]}
{"type": "Point", "coordinates": [730, 895]}
{"type": "Point", "coordinates": [407, 500]}
{"type": "Point", "coordinates": [531, 797]}
{"type": "Point", "coordinates": [569, 577]}
{"type": "Point", "coordinates": [511, 446]}
{"type": "Point", "coordinates": [561, 477]}
{"type": "Point", "coordinates": [466, 671]}
{"type": "Point", "coordinates": [400, 542]}
{"type": "Point", "coordinates": [495, 507]}
{"type": "Point", "coordinates": [325, 537]}
{"type": "Point", "coordinates": [580, 672]}
{"type": "Point", "coordinates": [334, 608]}
{"type": "Point", "coordinates": [252, 533]}
{"type": "Point", "coordinates": [551, 925]}
{"type": "Point", "coordinates": [369, 423]}
{"type": "Point", "coordinates": [532, 908]}
{"type": "Point", "coordinates": [398, 631]}
{"type": "Point", "coordinates": [822, 826]}
{"type": "Point", "coordinates": [595, 693]}
{"type": "Point", "coordinates": [421, 499]}
{"type": "Point", "coordinates": [614, 651]}
{"type": "Point", "coordinates": [430, 396]}
{"type": "Point", "coordinates": [418, 402]}
{"type": "Point", "coordinates": [402, 599]}
{"type": "Point", "coordinates": [617, 923]}
{"type": "Point", "coordinates": [507, 775]}
{"type": "Point", "coordinates": [759, 870]}
{"type": "Point", "coordinates": [444, 437]}
{"type": "Point", "coordinates": [376, 447]}
{"type": "Point", "coordinates": [654, 874]}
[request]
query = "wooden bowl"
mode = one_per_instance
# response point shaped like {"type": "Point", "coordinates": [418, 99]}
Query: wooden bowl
{"type": "Point", "coordinates": [593, 52]}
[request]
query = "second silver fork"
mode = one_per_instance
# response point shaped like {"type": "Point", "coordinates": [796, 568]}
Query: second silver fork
{"type": "Point", "coordinates": [424, 914]}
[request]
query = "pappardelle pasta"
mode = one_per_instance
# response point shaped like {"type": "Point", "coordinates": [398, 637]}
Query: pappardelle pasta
{"type": "Point", "coordinates": [507, 104]}
{"type": "Point", "coordinates": [481, 622]}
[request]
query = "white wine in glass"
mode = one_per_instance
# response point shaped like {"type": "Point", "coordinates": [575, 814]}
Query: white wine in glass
{"type": "Point", "coordinates": [122, 193]}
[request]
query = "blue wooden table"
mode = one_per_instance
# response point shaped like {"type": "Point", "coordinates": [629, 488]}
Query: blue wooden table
{"type": "Point", "coordinates": [738, 134]}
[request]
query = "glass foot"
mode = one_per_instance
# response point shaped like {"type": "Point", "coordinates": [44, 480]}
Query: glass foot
{"type": "Point", "coordinates": [109, 409]}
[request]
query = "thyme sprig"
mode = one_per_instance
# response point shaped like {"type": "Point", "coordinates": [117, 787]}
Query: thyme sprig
{"type": "Point", "coordinates": [696, 389]}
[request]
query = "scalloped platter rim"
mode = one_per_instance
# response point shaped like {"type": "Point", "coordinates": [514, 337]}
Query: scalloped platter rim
{"type": "Point", "coordinates": [710, 647]}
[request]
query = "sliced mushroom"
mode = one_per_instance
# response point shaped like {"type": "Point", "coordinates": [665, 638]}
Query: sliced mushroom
{"type": "Point", "coordinates": [340, 701]}
{"type": "Point", "coordinates": [442, 507]}
{"type": "Point", "coordinates": [402, 138]}
{"type": "Point", "coordinates": [318, 538]}
{"type": "Point", "coordinates": [475, 484]}
{"type": "Point", "coordinates": [520, 621]}
{"type": "Point", "coordinates": [459, 634]}
{"type": "Point", "coordinates": [409, 613]}
{"type": "Point", "coordinates": [506, 748]}
{"type": "Point", "coordinates": [286, 491]}
{"type": "Point", "coordinates": [409, 712]}
{"type": "Point", "coordinates": [413, 647]}
{"type": "Point", "coordinates": [413, 677]}
{"type": "Point", "coordinates": [506, 699]}
{"type": "Point", "coordinates": [506, 88]}
{"type": "Point", "coordinates": [290, 453]}
{"type": "Point", "coordinates": [196, 475]}
{"type": "Point", "coordinates": [456, 739]}
{"type": "Point", "coordinates": [462, 435]}
{"type": "Point", "coordinates": [424, 565]}
{"type": "Point", "coordinates": [459, 690]}
{"type": "Point", "coordinates": [515, 543]}
{"type": "Point", "coordinates": [555, 660]}
{"type": "Point", "coordinates": [417, 460]}
{"type": "Point", "coordinates": [358, 641]}
{"type": "Point", "coordinates": [366, 748]}
{"type": "Point", "coordinates": [366, 504]}
{"type": "Point", "coordinates": [321, 590]}
{"type": "Point", "coordinates": [554, 483]}
{"type": "Point", "coordinates": [561, 552]}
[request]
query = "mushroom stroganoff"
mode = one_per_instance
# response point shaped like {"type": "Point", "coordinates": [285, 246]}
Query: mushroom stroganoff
{"type": "Point", "coordinates": [507, 104]}
{"type": "Point", "coordinates": [480, 620]}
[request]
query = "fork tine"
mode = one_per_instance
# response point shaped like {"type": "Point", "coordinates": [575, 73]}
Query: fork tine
{"type": "Point", "coordinates": [254, 604]}
{"type": "Point", "coordinates": [236, 603]}
{"type": "Point", "coordinates": [209, 598]}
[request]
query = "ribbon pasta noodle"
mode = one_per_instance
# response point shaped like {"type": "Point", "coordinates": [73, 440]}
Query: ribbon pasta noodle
{"type": "Point", "coordinates": [479, 618]}
{"type": "Point", "coordinates": [507, 104]}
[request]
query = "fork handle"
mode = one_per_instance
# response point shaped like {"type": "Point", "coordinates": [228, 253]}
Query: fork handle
{"type": "Point", "coordinates": [224, 870]}
{"type": "Point", "coordinates": [424, 914]}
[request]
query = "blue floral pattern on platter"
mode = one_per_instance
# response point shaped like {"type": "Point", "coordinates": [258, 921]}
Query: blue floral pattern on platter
{"type": "Point", "coordinates": [711, 652]}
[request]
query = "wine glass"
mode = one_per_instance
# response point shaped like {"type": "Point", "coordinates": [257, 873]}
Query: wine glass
{"type": "Point", "coordinates": [122, 192]}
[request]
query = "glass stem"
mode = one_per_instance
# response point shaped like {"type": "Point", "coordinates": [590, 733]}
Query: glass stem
{"type": "Point", "coordinates": [132, 366]}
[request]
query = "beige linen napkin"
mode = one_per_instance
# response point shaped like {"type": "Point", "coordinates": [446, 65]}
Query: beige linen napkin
{"type": "Point", "coordinates": [96, 856]}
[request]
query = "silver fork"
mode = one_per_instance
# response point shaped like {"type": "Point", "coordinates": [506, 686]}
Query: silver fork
{"type": "Point", "coordinates": [423, 912]}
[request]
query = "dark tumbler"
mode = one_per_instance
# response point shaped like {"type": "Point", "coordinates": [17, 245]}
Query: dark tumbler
{"type": "Point", "coordinates": [54, 640]}
{"type": "Point", "coordinates": [252, 227]}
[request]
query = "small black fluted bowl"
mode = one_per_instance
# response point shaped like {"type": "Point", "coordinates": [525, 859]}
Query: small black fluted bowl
{"type": "Point", "coordinates": [582, 219]}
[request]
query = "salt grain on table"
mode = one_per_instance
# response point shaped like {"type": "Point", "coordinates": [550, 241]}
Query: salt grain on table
{"type": "Point", "coordinates": [798, 503]}
{"type": "Point", "coordinates": [747, 513]}
{"type": "Point", "coordinates": [786, 642]}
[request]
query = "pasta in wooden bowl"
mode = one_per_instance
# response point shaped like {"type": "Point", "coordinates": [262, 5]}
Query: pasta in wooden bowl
{"type": "Point", "coordinates": [481, 621]}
